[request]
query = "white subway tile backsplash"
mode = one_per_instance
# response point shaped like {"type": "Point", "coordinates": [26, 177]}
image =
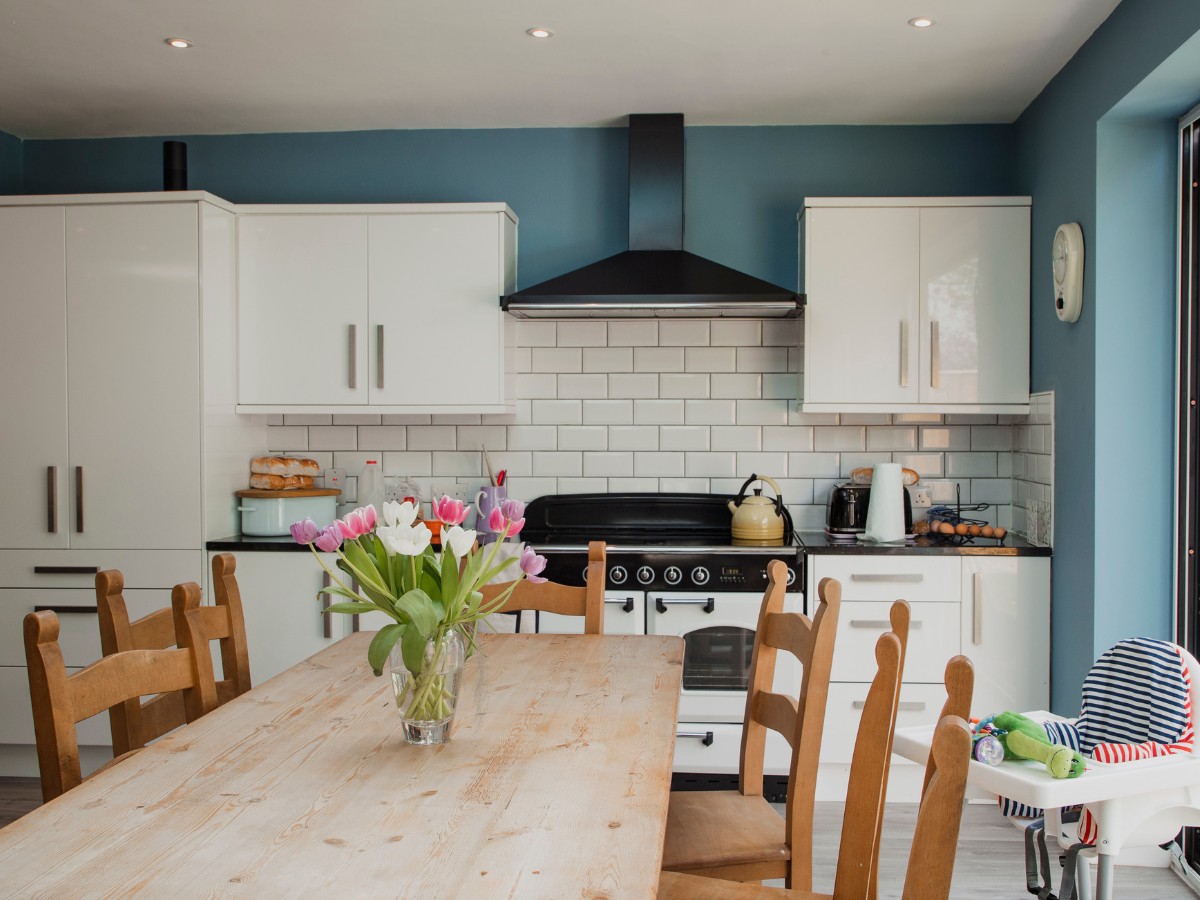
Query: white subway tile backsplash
{"type": "Point", "coordinates": [514, 462]}
{"type": "Point", "coordinates": [456, 419]}
{"type": "Point", "coordinates": [582, 437]}
{"type": "Point", "coordinates": [683, 333]}
{"type": "Point", "coordinates": [432, 437]}
{"type": "Point", "coordinates": [781, 333]}
{"type": "Point", "coordinates": [1004, 465]}
{"type": "Point", "coordinates": [269, 419]}
{"type": "Point", "coordinates": [582, 334]}
{"type": "Point", "coordinates": [684, 485]}
{"type": "Point", "coordinates": [710, 412]}
{"type": "Point", "coordinates": [307, 419]}
{"type": "Point", "coordinates": [924, 464]}
{"type": "Point", "coordinates": [658, 359]}
{"type": "Point", "coordinates": [608, 359]}
{"type": "Point", "coordinates": [969, 419]}
{"type": "Point", "coordinates": [946, 438]}
{"type": "Point", "coordinates": [478, 437]}
{"type": "Point", "coordinates": [916, 418]}
{"type": "Point", "coordinates": [583, 387]}
{"type": "Point", "coordinates": [608, 464]}
{"type": "Point", "coordinates": [633, 386]}
{"type": "Point", "coordinates": [382, 437]}
{"type": "Point", "coordinates": [795, 438]}
{"type": "Point", "coordinates": [795, 417]}
{"type": "Point", "coordinates": [814, 465]}
{"type": "Point", "coordinates": [633, 437]}
{"type": "Point", "coordinates": [407, 420]}
{"type": "Point", "coordinates": [1044, 471]}
{"type": "Point", "coordinates": [710, 465]}
{"type": "Point", "coordinates": [633, 485]}
{"type": "Point", "coordinates": [532, 333]}
{"type": "Point", "coordinates": [658, 412]}
{"type": "Point", "coordinates": [780, 386]}
{"type": "Point", "coordinates": [583, 485]}
{"type": "Point", "coordinates": [683, 386]}
{"type": "Point", "coordinates": [773, 464]}
{"type": "Point", "coordinates": [632, 334]}
{"type": "Point", "coordinates": [532, 437]}
{"type": "Point", "coordinates": [865, 419]}
{"type": "Point", "coordinates": [991, 437]}
{"type": "Point", "coordinates": [557, 412]}
{"type": "Point", "coordinates": [690, 437]}
{"type": "Point", "coordinates": [355, 419]}
{"type": "Point", "coordinates": [762, 412]}
{"type": "Point", "coordinates": [891, 438]}
{"type": "Point", "coordinates": [526, 488]}
{"type": "Point", "coordinates": [537, 385]}
{"type": "Point", "coordinates": [658, 465]}
{"type": "Point", "coordinates": [734, 437]}
{"type": "Point", "coordinates": [557, 359]}
{"type": "Point", "coordinates": [796, 490]}
{"type": "Point", "coordinates": [710, 359]}
{"type": "Point", "coordinates": [293, 436]}
{"type": "Point", "coordinates": [851, 438]}
{"type": "Point", "coordinates": [332, 437]}
{"type": "Point", "coordinates": [736, 333]}
{"type": "Point", "coordinates": [522, 359]}
{"type": "Point", "coordinates": [413, 463]}
{"type": "Point", "coordinates": [762, 359]}
{"type": "Point", "coordinates": [559, 463]}
{"type": "Point", "coordinates": [996, 491]}
{"type": "Point", "coordinates": [607, 412]}
{"type": "Point", "coordinates": [852, 461]}
{"type": "Point", "coordinates": [741, 386]}
{"type": "Point", "coordinates": [455, 462]}
{"type": "Point", "coordinates": [1037, 439]}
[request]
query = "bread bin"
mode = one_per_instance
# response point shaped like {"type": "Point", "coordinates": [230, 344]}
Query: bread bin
{"type": "Point", "coordinates": [271, 513]}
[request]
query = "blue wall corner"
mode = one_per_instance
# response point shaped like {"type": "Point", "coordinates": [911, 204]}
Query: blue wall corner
{"type": "Point", "coordinates": [11, 165]}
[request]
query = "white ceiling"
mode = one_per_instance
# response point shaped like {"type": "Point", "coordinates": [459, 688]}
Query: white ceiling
{"type": "Point", "coordinates": [92, 68]}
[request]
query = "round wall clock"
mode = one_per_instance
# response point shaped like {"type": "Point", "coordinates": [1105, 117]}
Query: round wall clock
{"type": "Point", "coordinates": [1066, 257]}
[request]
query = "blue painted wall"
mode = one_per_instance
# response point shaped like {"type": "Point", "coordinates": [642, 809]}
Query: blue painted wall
{"type": "Point", "coordinates": [10, 164]}
{"type": "Point", "coordinates": [1088, 150]}
{"type": "Point", "coordinates": [568, 185]}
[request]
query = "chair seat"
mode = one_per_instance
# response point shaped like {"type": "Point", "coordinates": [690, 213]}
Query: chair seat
{"type": "Point", "coordinates": [714, 830]}
{"type": "Point", "coordinates": [678, 886]}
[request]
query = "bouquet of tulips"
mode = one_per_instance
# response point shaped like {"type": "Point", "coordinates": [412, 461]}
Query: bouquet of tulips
{"type": "Point", "coordinates": [428, 592]}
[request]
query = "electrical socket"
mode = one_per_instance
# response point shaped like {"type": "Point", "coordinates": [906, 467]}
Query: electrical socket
{"type": "Point", "coordinates": [920, 496]}
{"type": "Point", "coordinates": [391, 490]}
{"type": "Point", "coordinates": [334, 478]}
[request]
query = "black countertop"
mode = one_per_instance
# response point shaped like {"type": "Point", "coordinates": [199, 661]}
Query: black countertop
{"type": "Point", "coordinates": [817, 543]}
{"type": "Point", "coordinates": [242, 543]}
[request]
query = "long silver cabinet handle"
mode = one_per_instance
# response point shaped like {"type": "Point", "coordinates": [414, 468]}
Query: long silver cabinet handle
{"type": "Point", "coordinates": [352, 381]}
{"type": "Point", "coordinates": [977, 612]}
{"type": "Point", "coordinates": [709, 603]}
{"type": "Point", "coordinates": [935, 356]}
{"type": "Point", "coordinates": [705, 737]}
{"type": "Point", "coordinates": [79, 499]}
{"type": "Point", "coordinates": [904, 353]}
{"type": "Point", "coordinates": [379, 354]}
{"type": "Point", "coordinates": [903, 705]}
{"type": "Point", "coordinates": [626, 603]}
{"type": "Point", "coordinates": [879, 623]}
{"type": "Point", "coordinates": [52, 499]}
{"type": "Point", "coordinates": [326, 602]}
{"type": "Point", "coordinates": [910, 577]}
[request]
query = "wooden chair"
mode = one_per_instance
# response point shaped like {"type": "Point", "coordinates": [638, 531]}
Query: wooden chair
{"type": "Point", "coordinates": [552, 597]}
{"type": "Point", "coordinates": [738, 835]}
{"type": "Point", "coordinates": [135, 723]}
{"type": "Point", "coordinates": [931, 858]}
{"type": "Point", "coordinates": [61, 700]}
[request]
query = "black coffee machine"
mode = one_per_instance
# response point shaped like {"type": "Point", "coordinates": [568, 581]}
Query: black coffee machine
{"type": "Point", "coordinates": [846, 510]}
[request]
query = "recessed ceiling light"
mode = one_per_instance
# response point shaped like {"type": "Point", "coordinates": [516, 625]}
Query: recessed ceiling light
{"type": "Point", "coordinates": [920, 22]}
{"type": "Point", "coordinates": [178, 43]}
{"type": "Point", "coordinates": [540, 32]}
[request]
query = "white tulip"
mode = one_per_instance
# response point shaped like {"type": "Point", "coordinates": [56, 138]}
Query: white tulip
{"type": "Point", "coordinates": [459, 540]}
{"type": "Point", "coordinates": [404, 540]}
{"type": "Point", "coordinates": [399, 513]}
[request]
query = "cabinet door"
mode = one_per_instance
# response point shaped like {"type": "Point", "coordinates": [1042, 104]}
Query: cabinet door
{"type": "Point", "coordinates": [33, 366]}
{"type": "Point", "coordinates": [1006, 632]}
{"type": "Point", "coordinates": [861, 319]}
{"type": "Point", "coordinates": [302, 309]}
{"type": "Point", "coordinates": [435, 283]}
{"type": "Point", "coordinates": [133, 338]}
{"type": "Point", "coordinates": [284, 622]}
{"type": "Point", "coordinates": [975, 304]}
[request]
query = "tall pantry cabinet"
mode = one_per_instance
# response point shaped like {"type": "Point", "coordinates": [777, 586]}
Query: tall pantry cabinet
{"type": "Point", "coordinates": [122, 447]}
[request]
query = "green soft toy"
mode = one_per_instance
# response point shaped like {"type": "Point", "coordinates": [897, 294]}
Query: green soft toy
{"type": "Point", "coordinates": [1026, 739]}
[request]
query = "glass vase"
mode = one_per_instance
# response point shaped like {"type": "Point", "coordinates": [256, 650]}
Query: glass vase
{"type": "Point", "coordinates": [427, 699]}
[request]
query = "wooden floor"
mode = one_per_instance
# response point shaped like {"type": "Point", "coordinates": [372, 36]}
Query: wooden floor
{"type": "Point", "coordinates": [990, 860]}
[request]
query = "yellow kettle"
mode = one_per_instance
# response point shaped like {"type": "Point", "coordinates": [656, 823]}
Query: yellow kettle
{"type": "Point", "coordinates": [757, 520]}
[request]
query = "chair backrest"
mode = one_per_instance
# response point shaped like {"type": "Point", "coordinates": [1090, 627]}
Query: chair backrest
{"type": "Point", "coordinates": [549, 596]}
{"type": "Point", "coordinates": [859, 850]}
{"type": "Point", "coordinates": [225, 623]}
{"type": "Point", "coordinates": [799, 720]}
{"type": "Point", "coordinates": [61, 700]}
{"type": "Point", "coordinates": [935, 841]}
{"type": "Point", "coordinates": [960, 687]}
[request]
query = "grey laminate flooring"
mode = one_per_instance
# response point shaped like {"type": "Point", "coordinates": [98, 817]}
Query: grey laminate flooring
{"type": "Point", "coordinates": [989, 863]}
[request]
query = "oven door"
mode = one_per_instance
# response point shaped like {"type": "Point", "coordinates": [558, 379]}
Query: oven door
{"type": "Point", "coordinates": [624, 613]}
{"type": "Point", "coordinates": [718, 633]}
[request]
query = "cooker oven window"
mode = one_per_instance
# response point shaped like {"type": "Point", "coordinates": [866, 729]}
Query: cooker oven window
{"type": "Point", "coordinates": [717, 659]}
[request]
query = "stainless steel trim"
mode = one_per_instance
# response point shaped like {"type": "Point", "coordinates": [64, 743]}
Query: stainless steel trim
{"type": "Point", "coordinates": [52, 499]}
{"type": "Point", "coordinates": [935, 356]}
{"type": "Point", "coordinates": [977, 611]}
{"type": "Point", "coordinates": [908, 578]}
{"type": "Point", "coordinates": [379, 354]}
{"type": "Point", "coordinates": [879, 623]}
{"type": "Point", "coordinates": [326, 602]}
{"type": "Point", "coordinates": [705, 737]}
{"type": "Point", "coordinates": [709, 603]}
{"type": "Point", "coordinates": [903, 705]}
{"type": "Point", "coordinates": [79, 499]}
{"type": "Point", "coordinates": [353, 385]}
{"type": "Point", "coordinates": [626, 603]}
{"type": "Point", "coordinates": [904, 353]}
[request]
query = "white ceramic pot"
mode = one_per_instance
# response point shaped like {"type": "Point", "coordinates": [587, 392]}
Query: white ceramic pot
{"type": "Point", "coordinates": [266, 516]}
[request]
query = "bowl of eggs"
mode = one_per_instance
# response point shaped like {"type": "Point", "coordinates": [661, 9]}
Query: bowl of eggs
{"type": "Point", "coordinates": [950, 524]}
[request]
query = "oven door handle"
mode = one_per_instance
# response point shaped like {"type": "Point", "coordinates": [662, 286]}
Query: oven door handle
{"type": "Point", "coordinates": [626, 603]}
{"type": "Point", "coordinates": [709, 603]}
{"type": "Point", "coordinates": [705, 737]}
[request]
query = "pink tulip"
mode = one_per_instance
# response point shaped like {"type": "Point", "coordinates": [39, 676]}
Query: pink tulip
{"type": "Point", "coordinates": [449, 510]}
{"type": "Point", "coordinates": [496, 521]}
{"type": "Point", "coordinates": [305, 532]}
{"type": "Point", "coordinates": [355, 523]}
{"type": "Point", "coordinates": [532, 565]}
{"type": "Point", "coordinates": [370, 517]}
{"type": "Point", "coordinates": [513, 509]}
{"type": "Point", "coordinates": [330, 538]}
{"type": "Point", "coordinates": [514, 528]}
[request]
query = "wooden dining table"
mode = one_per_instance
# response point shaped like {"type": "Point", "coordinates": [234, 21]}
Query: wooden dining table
{"type": "Point", "coordinates": [554, 784]}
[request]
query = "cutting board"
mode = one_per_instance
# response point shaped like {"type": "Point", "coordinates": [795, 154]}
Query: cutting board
{"type": "Point", "coordinates": [260, 494]}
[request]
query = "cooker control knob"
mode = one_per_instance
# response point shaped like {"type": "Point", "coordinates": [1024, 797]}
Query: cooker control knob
{"type": "Point", "coordinates": [700, 575]}
{"type": "Point", "coordinates": [673, 575]}
{"type": "Point", "coordinates": [583, 574]}
{"type": "Point", "coordinates": [617, 574]}
{"type": "Point", "coordinates": [791, 576]}
{"type": "Point", "coordinates": [645, 574]}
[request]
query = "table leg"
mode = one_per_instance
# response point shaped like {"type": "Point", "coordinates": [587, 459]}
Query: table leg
{"type": "Point", "coordinates": [1104, 876]}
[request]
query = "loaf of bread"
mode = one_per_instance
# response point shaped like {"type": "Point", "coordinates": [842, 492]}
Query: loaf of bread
{"type": "Point", "coordinates": [280, 482]}
{"type": "Point", "coordinates": [284, 465]}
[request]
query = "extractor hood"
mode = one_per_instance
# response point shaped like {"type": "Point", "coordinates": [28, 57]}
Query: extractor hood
{"type": "Point", "coordinates": [655, 277]}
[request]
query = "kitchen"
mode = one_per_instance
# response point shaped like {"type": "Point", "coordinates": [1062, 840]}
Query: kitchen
{"type": "Point", "coordinates": [567, 185]}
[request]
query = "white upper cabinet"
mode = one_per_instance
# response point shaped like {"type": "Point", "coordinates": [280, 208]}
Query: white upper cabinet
{"type": "Point", "coordinates": [916, 304]}
{"type": "Point", "coordinates": [375, 309]}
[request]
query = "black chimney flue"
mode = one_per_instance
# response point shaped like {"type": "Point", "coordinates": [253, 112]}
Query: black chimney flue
{"type": "Point", "coordinates": [174, 166]}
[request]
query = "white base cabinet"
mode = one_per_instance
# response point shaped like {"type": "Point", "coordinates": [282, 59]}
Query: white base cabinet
{"type": "Point", "coordinates": [993, 609]}
{"type": "Point", "coordinates": [931, 294]}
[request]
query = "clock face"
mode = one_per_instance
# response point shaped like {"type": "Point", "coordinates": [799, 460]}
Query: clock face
{"type": "Point", "coordinates": [1058, 256]}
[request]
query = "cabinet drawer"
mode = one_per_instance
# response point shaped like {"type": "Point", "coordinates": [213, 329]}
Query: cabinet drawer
{"type": "Point", "coordinates": [16, 712]}
{"type": "Point", "coordinates": [720, 755]}
{"type": "Point", "coordinates": [141, 568]}
{"type": "Point", "coordinates": [919, 705]}
{"type": "Point", "coordinates": [887, 578]}
{"type": "Point", "coordinates": [79, 632]}
{"type": "Point", "coordinates": [933, 635]}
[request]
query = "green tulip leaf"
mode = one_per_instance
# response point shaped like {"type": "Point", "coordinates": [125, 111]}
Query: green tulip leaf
{"type": "Point", "coordinates": [353, 608]}
{"type": "Point", "coordinates": [382, 644]}
{"type": "Point", "coordinates": [418, 607]}
{"type": "Point", "coordinates": [412, 648]}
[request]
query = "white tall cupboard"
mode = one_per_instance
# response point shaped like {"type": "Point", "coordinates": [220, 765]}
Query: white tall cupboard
{"type": "Point", "coordinates": [383, 308]}
{"type": "Point", "coordinates": [121, 441]}
{"type": "Point", "coordinates": [916, 304]}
